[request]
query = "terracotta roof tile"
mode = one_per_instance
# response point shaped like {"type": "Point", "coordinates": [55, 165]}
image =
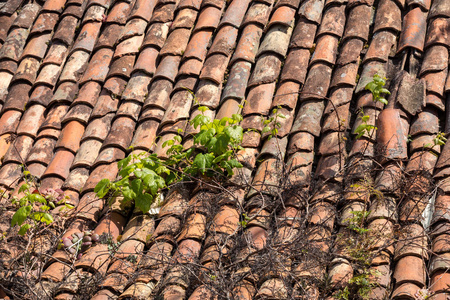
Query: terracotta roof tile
{"type": "Point", "coordinates": [439, 8]}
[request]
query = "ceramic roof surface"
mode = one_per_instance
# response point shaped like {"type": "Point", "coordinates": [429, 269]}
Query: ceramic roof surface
{"type": "Point", "coordinates": [84, 83]}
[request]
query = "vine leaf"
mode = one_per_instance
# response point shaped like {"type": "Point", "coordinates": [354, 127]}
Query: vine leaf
{"type": "Point", "coordinates": [21, 215]}
{"type": "Point", "coordinates": [102, 188]}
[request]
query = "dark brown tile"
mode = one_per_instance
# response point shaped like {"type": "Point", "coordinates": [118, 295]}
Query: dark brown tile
{"type": "Point", "coordinates": [224, 41]}
{"type": "Point", "coordinates": [234, 14]}
{"type": "Point", "coordinates": [208, 94]}
{"type": "Point", "coordinates": [137, 87]}
{"type": "Point", "coordinates": [65, 32]}
{"type": "Point", "coordinates": [122, 66]}
{"type": "Point", "coordinates": [17, 97]}
{"type": "Point", "coordinates": [209, 17]}
{"type": "Point", "coordinates": [42, 151]}
{"type": "Point", "coordinates": [237, 81]}
{"type": "Point", "coordinates": [19, 150]}
{"type": "Point", "coordinates": [130, 46]}
{"type": "Point", "coordinates": [27, 15]}
{"type": "Point", "coordinates": [119, 13]}
{"type": "Point", "coordinates": [143, 9]}
{"type": "Point", "coordinates": [312, 10]}
{"type": "Point", "coordinates": [317, 82]}
{"type": "Point", "coordinates": [439, 8]}
{"type": "Point", "coordinates": [48, 75]}
{"type": "Point", "coordinates": [415, 29]}
{"type": "Point", "coordinates": [45, 22]}
{"type": "Point", "coordinates": [426, 122]}
{"type": "Point", "coordinates": [121, 133]}
{"type": "Point", "coordinates": [303, 35]}
{"type": "Point", "coordinates": [31, 120]}
{"type": "Point", "coordinates": [75, 182]}
{"type": "Point", "coordinates": [381, 47]}
{"type": "Point", "coordinates": [248, 44]}
{"type": "Point", "coordinates": [27, 70]}
{"type": "Point", "coordinates": [146, 61]}
{"type": "Point", "coordinates": [276, 40]}
{"type": "Point", "coordinates": [389, 17]}
{"type": "Point", "coordinates": [64, 94]}
{"type": "Point", "coordinates": [308, 118]}
{"type": "Point", "coordinates": [108, 36]}
{"type": "Point", "coordinates": [435, 82]}
{"type": "Point", "coordinates": [266, 70]}
{"type": "Point", "coordinates": [333, 21]}
{"type": "Point", "coordinates": [286, 94]}
{"type": "Point", "coordinates": [214, 68]}
{"type": "Point", "coordinates": [358, 23]}
{"type": "Point", "coordinates": [75, 66]}
{"type": "Point", "coordinates": [109, 155]}
{"type": "Point", "coordinates": [156, 35]}
{"type": "Point", "coordinates": [190, 69]}
{"type": "Point", "coordinates": [168, 67]}
{"type": "Point", "coordinates": [259, 99]}
{"type": "Point", "coordinates": [435, 59]}
{"type": "Point", "coordinates": [98, 66]}
{"type": "Point", "coordinates": [163, 13]}
{"type": "Point", "coordinates": [80, 113]}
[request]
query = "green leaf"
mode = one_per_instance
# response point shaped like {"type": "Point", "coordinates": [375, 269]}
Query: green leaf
{"type": "Point", "coordinates": [20, 215]}
{"type": "Point", "coordinates": [235, 132]}
{"type": "Point", "coordinates": [203, 108]}
{"type": "Point", "coordinates": [200, 120]}
{"type": "Point", "coordinates": [237, 117]}
{"type": "Point", "coordinates": [128, 193]}
{"type": "Point", "coordinates": [43, 217]}
{"type": "Point", "coordinates": [219, 144]}
{"type": "Point", "coordinates": [124, 162]}
{"type": "Point", "coordinates": [143, 202]}
{"type": "Point", "coordinates": [69, 206]}
{"type": "Point", "coordinates": [204, 136]}
{"type": "Point", "coordinates": [203, 161]}
{"type": "Point", "coordinates": [24, 228]}
{"type": "Point", "coordinates": [137, 187]}
{"type": "Point", "coordinates": [365, 118]}
{"type": "Point", "coordinates": [383, 100]}
{"type": "Point", "coordinates": [385, 91]}
{"type": "Point", "coordinates": [265, 129]}
{"type": "Point", "coordinates": [23, 188]}
{"type": "Point", "coordinates": [37, 198]}
{"type": "Point", "coordinates": [102, 188]}
{"type": "Point", "coordinates": [127, 170]}
{"type": "Point", "coordinates": [371, 86]}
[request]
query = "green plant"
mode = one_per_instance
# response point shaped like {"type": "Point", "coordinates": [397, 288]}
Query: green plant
{"type": "Point", "coordinates": [357, 222]}
{"type": "Point", "coordinates": [33, 208]}
{"type": "Point", "coordinates": [142, 176]}
{"type": "Point", "coordinates": [358, 247]}
{"type": "Point", "coordinates": [376, 87]}
{"type": "Point", "coordinates": [360, 285]}
{"type": "Point", "coordinates": [245, 220]}
{"type": "Point", "coordinates": [271, 124]}
{"type": "Point", "coordinates": [364, 128]}
{"type": "Point", "coordinates": [438, 140]}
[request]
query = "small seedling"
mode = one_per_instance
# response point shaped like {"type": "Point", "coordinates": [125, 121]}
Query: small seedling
{"type": "Point", "coordinates": [34, 207]}
{"type": "Point", "coordinates": [376, 87]}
